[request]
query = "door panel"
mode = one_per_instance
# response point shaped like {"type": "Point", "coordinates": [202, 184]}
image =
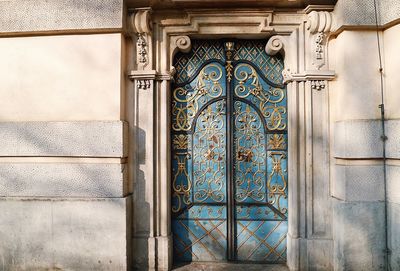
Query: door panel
{"type": "Point", "coordinates": [229, 154]}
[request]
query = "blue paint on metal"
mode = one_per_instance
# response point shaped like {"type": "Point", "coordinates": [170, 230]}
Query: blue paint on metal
{"type": "Point", "coordinates": [199, 145]}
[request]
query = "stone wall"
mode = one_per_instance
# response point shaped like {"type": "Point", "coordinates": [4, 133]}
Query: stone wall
{"type": "Point", "coordinates": [64, 195]}
{"type": "Point", "coordinates": [391, 60]}
{"type": "Point", "coordinates": [357, 168]}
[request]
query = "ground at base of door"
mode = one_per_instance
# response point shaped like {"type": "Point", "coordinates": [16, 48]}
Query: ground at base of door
{"type": "Point", "coordinates": [229, 267]}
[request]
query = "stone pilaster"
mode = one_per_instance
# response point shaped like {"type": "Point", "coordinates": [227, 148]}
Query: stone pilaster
{"type": "Point", "coordinates": [142, 137]}
{"type": "Point", "coordinates": [307, 76]}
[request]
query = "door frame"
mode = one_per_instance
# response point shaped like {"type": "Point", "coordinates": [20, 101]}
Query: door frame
{"type": "Point", "coordinates": [301, 38]}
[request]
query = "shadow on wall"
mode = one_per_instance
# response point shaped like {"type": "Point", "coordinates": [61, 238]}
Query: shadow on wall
{"type": "Point", "coordinates": [66, 235]}
{"type": "Point", "coordinates": [141, 207]}
{"type": "Point", "coordinates": [359, 237]}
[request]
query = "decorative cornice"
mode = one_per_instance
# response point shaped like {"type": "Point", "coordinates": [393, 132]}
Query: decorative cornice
{"type": "Point", "coordinates": [150, 75]}
{"type": "Point", "coordinates": [311, 8]}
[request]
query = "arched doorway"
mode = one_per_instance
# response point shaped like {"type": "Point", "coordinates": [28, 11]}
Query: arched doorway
{"type": "Point", "coordinates": [229, 153]}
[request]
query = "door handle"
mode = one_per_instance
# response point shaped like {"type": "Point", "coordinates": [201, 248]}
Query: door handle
{"type": "Point", "coordinates": [244, 155]}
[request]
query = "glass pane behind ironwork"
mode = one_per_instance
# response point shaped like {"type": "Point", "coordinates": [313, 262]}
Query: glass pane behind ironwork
{"type": "Point", "coordinates": [200, 179]}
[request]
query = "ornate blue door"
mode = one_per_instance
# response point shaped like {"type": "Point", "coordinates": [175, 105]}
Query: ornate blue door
{"type": "Point", "coordinates": [229, 153]}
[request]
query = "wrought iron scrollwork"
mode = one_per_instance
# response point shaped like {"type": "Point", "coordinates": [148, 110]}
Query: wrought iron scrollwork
{"type": "Point", "coordinates": [227, 99]}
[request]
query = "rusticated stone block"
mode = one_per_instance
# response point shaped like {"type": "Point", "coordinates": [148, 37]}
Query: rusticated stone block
{"type": "Point", "coordinates": [64, 234]}
{"type": "Point", "coordinates": [359, 236]}
{"type": "Point", "coordinates": [358, 183]}
{"type": "Point", "coordinates": [62, 180]}
{"type": "Point", "coordinates": [74, 138]}
{"type": "Point", "coordinates": [49, 15]}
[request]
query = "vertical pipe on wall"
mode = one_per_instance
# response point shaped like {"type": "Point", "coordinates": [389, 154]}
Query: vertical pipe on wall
{"type": "Point", "coordinates": [383, 138]}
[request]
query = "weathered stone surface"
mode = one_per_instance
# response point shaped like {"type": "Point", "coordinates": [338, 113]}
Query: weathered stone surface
{"type": "Point", "coordinates": [293, 257]}
{"type": "Point", "coordinates": [393, 183]}
{"type": "Point", "coordinates": [357, 12]}
{"type": "Point", "coordinates": [90, 139]}
{"type": "Point", "coordinates": [62, 180]}
{"type": "Point", "coordinates": [358, 183]}
{"type": "Point", "coordinates": [357, 139]}
{"type": "Point", "coordinates": [359, 236]}
{"type": "Point", "coordinates": [48, 15]}
{"type": "Point", "coordinates": [362, 139]}
{"type": "Point", "coordinates": [394, 234]}
{"type": "Point", "coordinates": [63, 234]}
{"type": "Point", "coordinates": [319, 254]}
{"type": "Point", "coordinates": [392, 130]}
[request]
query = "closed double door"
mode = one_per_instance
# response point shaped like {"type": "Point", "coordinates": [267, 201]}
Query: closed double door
{"type": "Point", "coordinates": [229, 153]}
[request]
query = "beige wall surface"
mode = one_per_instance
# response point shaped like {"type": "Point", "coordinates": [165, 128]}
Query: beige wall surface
{"type": "Point", "coordinates": [355, 94]}
{"type": "Point", "coordinates": [54, 78]}
{"type": "Point", "coordinates": [391, 45]}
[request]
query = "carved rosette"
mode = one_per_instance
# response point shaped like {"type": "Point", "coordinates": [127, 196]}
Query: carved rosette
{"type": "Point", "coordinates": [140, 23]}
{"type": "Point", "coordinates": [319, 24]}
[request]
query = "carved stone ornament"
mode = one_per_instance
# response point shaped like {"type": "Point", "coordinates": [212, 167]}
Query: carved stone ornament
{"type": "Point", "coordinates": [179, 43]}
{"type": "Point", "coordinates": [141, 47]}
{"type": "Point", "coordinates": [275, 45]}
{"type": "Point", "coordinates": [319, 24]}
{"type": "Point", "coordinates": [143, 84]}
{"type": "Point", "coordinates": [287, 76]}
{"type": "Point", "coordinates": [318, 85]}
{"type": "Point", "coordinates": [140, 23]}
